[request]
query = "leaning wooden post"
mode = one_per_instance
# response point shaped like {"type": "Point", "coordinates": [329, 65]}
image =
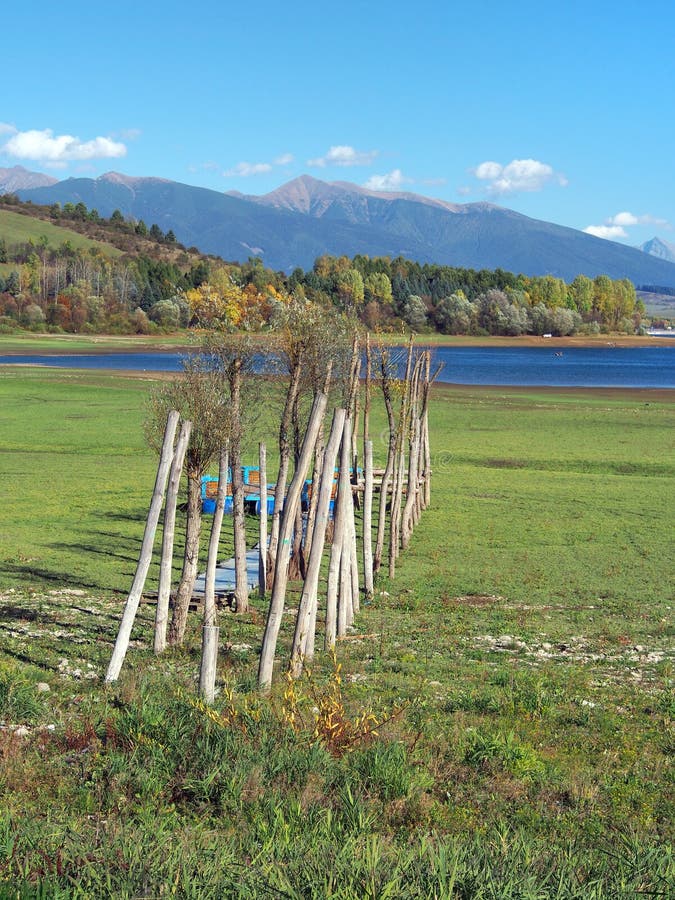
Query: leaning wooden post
{"type": "Point", "coordinates": [345, 613]}
{"type": "Point", "coordinates": [319, 451]}
{"type": "Point", "coordinates": [303, 647]}
{"type": "Point", "coordinates": [276, 609]}
{"type": "Point", "coordinates": [262, 539]}
{"type": "Point", "coordinates": [164, 590]}
{"type": "Point", "coordinates": [353, 403]}
{"type": "Point", "coordinates": [354, 557]}
{"type": "Point", "coordinates": [210, 631]}
{"type": "Point", "coordinates": [399, 470]}
{"type": "Point", "coordinates": [134, 598]}
{"type": "Point", "coordinates": [391, 456]}
{"type": "Point", "coordinates": [408, 517]}
{"type": "Point", "coordinates": [367, 521]}
{"type": "Point", "coordinates": [338, 544]}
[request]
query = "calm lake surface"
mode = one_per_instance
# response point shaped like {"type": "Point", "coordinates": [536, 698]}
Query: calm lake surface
{"type": "Point", "coordinates": [648, 367]}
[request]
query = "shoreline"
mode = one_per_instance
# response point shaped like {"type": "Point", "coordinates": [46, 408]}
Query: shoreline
{"type": "Point", "coordinates": [99, 345]}
{"type": "Point", "coordinates": [644, 394]}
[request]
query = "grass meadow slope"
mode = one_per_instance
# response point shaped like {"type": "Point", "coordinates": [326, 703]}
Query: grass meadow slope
{"type": "Point", "coordinates": [498, 725]}
{"type": "Point", "coordinates": [16, 228]}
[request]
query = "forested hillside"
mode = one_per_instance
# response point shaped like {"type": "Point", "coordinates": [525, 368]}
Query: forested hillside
{"type": "Point", "coordinates": [69, 269]}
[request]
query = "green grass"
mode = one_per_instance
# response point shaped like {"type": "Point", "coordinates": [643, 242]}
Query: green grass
{"type": "Point", "coordinates": [17, 229]}
{"type": "Point", "coordinates": [526, 645]}
{"type": "Point", "coordinates": [30, 343]}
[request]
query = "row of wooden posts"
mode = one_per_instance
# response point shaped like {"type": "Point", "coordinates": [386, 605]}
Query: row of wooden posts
{"type": "Point", "coordinates": [404, 487]}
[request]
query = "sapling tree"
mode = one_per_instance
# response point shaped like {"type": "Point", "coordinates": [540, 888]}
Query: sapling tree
{"type": "Point", "coordinates": [200, 395]}
{"type": "Point", "coordinates": [232, 357]}
{"type": "Point", "coordinates": [312, 342]}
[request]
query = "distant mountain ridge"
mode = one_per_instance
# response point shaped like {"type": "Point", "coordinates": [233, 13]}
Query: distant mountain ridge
{"type": "Point", "coordinates": [17, 178]}
{"type": "Point", "coordinates": [307, 218]}
{"type": "Point", "coordinates": [659, 248]}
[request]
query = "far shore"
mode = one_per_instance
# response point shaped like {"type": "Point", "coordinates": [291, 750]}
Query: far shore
{"type": "Point", "coordinates": [68, 344]}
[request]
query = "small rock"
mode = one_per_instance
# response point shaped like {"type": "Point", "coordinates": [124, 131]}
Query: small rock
{"type": "Point", "coordinates": [21, 731]}
{"type": "Point", "coordinates": [42, 687]}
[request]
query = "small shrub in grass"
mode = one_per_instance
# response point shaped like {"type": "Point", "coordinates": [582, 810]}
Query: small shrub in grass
{"type": "Point", "coordinates": [322, 714]}
{"type": "Point", "coordinates": [503, 751]}
{"type": "Point", "coordinates": [19, 701]}
{"type": "Point", "coordinates": [383, 770]}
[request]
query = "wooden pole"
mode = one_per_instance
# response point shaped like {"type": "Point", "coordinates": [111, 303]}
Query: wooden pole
{"type": "Point", "coordinates": [344, 604]}
{"type": "Point", "coordinates": [314, 498]}
{"type": "Point", "coordinates": [284, 459]}
{"type": "Point", "coordinates": [353, 558]}
{"type": "Point", "coordinates": [408, 517]}
{"type": "Point", "coordinates": [353, 406]}
{"type": "Point", "coordinates": [262, 538]}
{"type": "Point", "coordinates": [366, 401]}
{"type": "Point", "coordinates": [303, 647]}
{"type": "Point", "coordinates": [276, 608]}
{"type": "Point", "coordinates": [391, 455]}
{"type": "Point", "coordinates": [337, 546]}
{"type": "Point", "coordinates": [210, 631]}
{"type": "Point", "coordinates": [134, 598]}
{"type": "Point", "coordinates": [367, 520]}
{"type": "Point", "coordinates": [403, 431]}
{"type": "Point", "coordinates": [207, 672]}
{"type": "Point", "coordinates": [214, 542]}
{"type": "Point", "coordinates": [164, 590]}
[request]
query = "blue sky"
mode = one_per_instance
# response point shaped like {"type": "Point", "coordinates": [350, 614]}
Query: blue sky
{"type": "Point", "coordinates": [564, 112]}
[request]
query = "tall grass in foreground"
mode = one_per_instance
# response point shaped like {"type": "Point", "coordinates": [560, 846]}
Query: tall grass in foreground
{"type": "Point", "coordinates": [162, 796]}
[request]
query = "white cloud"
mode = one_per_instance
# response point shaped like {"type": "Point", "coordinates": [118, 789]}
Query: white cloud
{"type": "Point", "coordinates": [7, 129]}
{"type": "Point", "coordinates": [622, 218]}
{"type": "Point", "coordinates": [627, 218]}
{"type": "Point", "coordinates": [615, 226]}
{"type": "Point", "coordinates": [488, 171]}
{"type": "Point", "coordinates": [343, 155]}
{"type": "Point", "coordinates": [245, 169]}
{"type": "Point", "coordinates": [45, 147]}
{"type": "Point", "coordinates": [609, 232]}
{"type": "Point", "coordinates": [393, 181]}
{"type": "Point", "coordinates": [518, 175]}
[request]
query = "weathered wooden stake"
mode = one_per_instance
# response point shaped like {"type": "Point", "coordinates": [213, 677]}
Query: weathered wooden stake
{"type": "Point", "coordinates": [303, 640]}
{"type": "Point", "coordinates": [262, 536]}
{"type": "Point", "coordinates": [367, 519]}
{"type": "Point", "coordinates": [210, 631]}
{"type": "Point", "coordinates": [408, 517]}
{"type": "Point", "coordinates": [207, 671]}
{"type": "Point", "coordinates": [214, 541]}
{"type": "Point", "coordinates": [338, 544]}
{"type": "Point", "coordinates": [164, 590]}
{"type": "Point", "coordinates": [276, 608]}
{"type": "Point", "coordinates": [391, 456]}
{"type": "Point", "coordinates": [354, 558]}
{"type": "Point", "coordinates": [131, 607]}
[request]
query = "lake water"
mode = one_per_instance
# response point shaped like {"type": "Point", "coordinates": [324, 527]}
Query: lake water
{"type": "Point", "coordinates": [607, 366]}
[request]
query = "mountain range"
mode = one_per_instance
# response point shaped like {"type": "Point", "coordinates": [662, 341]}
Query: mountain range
{"type": "Point", "coordinates": [306, 218]}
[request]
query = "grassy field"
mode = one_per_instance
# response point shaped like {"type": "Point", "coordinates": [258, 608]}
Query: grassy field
{"type": "Point", "coordinates": [24, 343]}
{"type": "Point", "coordinates": [520, 665]}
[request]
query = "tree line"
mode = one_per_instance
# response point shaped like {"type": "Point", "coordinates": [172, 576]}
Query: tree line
{"type": "Point", "coordinates": [164, 287]}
